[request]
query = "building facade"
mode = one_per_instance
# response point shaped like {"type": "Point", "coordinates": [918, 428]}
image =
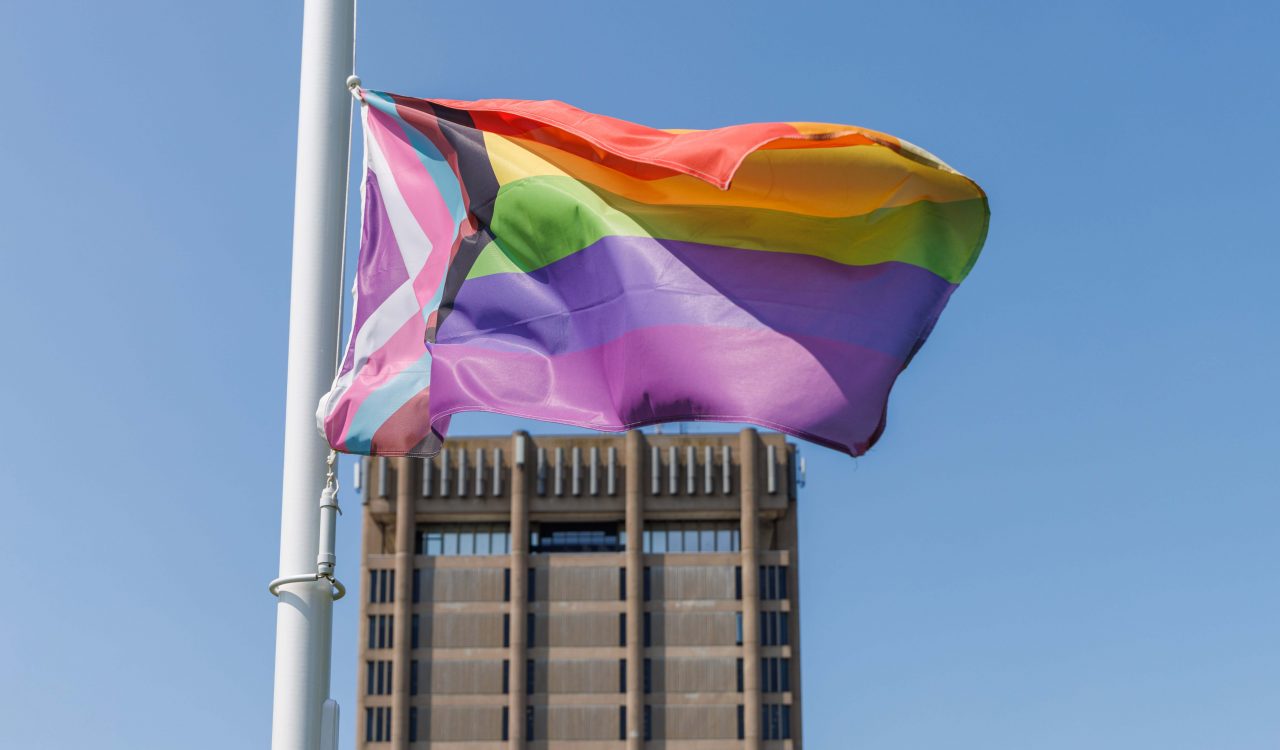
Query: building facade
{"type": "Point", "coordinates": [610, 592]}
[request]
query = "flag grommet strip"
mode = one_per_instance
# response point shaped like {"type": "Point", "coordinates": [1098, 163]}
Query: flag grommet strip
{"type": "Point", "coordinates": [338, 592]}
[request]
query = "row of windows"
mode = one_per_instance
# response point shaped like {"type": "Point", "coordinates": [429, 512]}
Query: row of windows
{"type": "Point", "coordinates": [660, 537]}
{"type": "Point", "coordinates": [377, 678]}
{"type": "Point", "coordinates": [448, 540]}
{"type": "Point", "coordinates": [382, 586]}
{"type": "Point", "coordinates": [454, 539]}
{"type": "Point", "coordinates": [775, 723]}
{"type": "Point", "coordinates": [691, 536]}
{"type": "Point", "coordinates": [380, 631]}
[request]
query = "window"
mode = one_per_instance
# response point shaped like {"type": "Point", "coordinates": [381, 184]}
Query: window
{"type": "Point", "coordinates": [622, 629]}
{"type": "Point", "coordinates": [531, 629]}
{"type": "Point", "coordinates": [773, 582]}
{"type": "Point", "coordinates": [382, 586]}
{"type": "Point", "coordinates": [655, 541]}
{"type": "Point", "coordinates": [737, 582]}
{"type": "Point", "coordinates": [417, 585]}
{"type": "Point", "coordinates": [622, 722]}
{"type": "Point", "coordinates": [377, 724]}
{"type": "Point", "coordinates": [648, 628]}
{"type": "Point", "coordinates": [622, 584]}
{"type": "Point", "coordinates": [380, 631]}
{"type": "Point", "coordinates": [506, 630]}
{"type": "Point", "coordinates": [691, 536]}
{"type": "Point", "coordinates": [622, 675]}
{"type": "Point", "coordinates": [576, 537]}
{"type": "Point", "coordinates": [775, 721]}
{"type": "Point", "coordinates": [413, 632]}
{"type": "Point", "coordinates": [413, 677]}
{"type": "Point", "coordinates": [380, 730]}
{"type": "Point", "coordinates": [505, 721]}
{"type": "Point", "coordinates": [648, 676]}
{"type": "Point", "coordinates": [528, 723]}
{"type": "Point", "coordinates": [506, 584]}
{"type": "Point", "coordinates": [647, 587]}
{"type": "Point", "coordinates": [413, 724]}
{"type": "Point", "coordinates": [742, 723]}
{"type": "Point", "coordinates": [740, 676]}
{"type": "Point", "coordinates": [431, 542]}
{"type": "Point", "coordinates": [530, 681]}
{"type": "Point", "coordinates": [377, 678]}
{"type": "Point", "coordinates": [506, 678]}
{"type": "Point", "coordinates": [648, 722]}
{"type": "Point", "coordinates": [467, 539]}
{"type": "Point", "coordinates": [532, 592]}
{"type": "Point", "coordinates": [775, 675]}
{"type": "Point", "coordinates": [739, 624]}
{"type": "Point", "coordinates": [774, 628]}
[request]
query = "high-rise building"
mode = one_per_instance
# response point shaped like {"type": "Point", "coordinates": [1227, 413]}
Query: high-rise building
{"type": "Point", "coordinates": [586, 592]}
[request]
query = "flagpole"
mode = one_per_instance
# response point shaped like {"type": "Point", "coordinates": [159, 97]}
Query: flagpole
{"type": "Point", "coordinates": [304, 610]}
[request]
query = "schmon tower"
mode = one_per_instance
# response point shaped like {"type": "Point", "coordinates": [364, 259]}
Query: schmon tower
{"type": "Point", "coordinates": [582, 592]}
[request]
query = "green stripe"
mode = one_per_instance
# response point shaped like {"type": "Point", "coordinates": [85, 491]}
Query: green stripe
{"type": "Point", "coordinates": [539, 220]}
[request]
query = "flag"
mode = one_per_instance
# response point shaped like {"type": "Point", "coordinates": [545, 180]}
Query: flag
{"type": "Point", "coordinates": [532, 259]}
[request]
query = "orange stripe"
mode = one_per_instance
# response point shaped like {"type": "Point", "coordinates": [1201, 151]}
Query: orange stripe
{"type": "Point", "coordinates": [831, 182]}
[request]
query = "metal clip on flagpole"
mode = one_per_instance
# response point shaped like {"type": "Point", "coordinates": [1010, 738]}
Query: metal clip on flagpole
{"type": "Point", "coordinates": [353, 85]}
{"type": "Point", "coordinates": [327, 558]}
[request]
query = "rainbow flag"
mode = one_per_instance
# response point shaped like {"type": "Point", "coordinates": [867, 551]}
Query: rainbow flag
{"type": "Point", "coordinates": [532, 259]}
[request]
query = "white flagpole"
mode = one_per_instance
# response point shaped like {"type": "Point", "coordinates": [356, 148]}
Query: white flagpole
{"type": "Point", "coordinates": [304, 610]}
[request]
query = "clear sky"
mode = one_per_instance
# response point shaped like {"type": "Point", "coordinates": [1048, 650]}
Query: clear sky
{"type": "Point", "coordinates": [1068, 538]}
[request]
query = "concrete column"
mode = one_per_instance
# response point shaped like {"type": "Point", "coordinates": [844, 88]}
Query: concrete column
{"type": "Point", "coordinates": [635, 472]}
{"type": "Point", "coordinates": [406, 502]}
{"type": "Point", "coordinates": [519, 609]}
{"type": "Point", "coordinates": [748, 463]}
{"type": "Point", "coordinates": [373, 543]}
{"type": "Point", "coordinates": [790, 539]}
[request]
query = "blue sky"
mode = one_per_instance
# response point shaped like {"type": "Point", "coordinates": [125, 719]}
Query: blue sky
{"type": "Point", "coordinates": [1068, 537]}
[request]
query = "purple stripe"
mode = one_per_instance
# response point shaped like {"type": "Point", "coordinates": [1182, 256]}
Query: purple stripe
{"type": "Point", "coordinates": [621, 284]}
{"type": "Point", "coordinates": [380, 270]}
{"type": "Point", "coordinates": [826, 391]}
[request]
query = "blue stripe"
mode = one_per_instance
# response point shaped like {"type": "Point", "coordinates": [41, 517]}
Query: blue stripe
{"type": "Point", "coordinates": [384, 401]}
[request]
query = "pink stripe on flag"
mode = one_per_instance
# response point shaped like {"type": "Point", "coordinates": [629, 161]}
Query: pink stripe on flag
{"type": "Point", "coordinates": [423, 197]}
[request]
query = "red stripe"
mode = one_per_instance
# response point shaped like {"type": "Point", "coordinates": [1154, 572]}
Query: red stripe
{"type": "Point", "coordinates": [636, 150]}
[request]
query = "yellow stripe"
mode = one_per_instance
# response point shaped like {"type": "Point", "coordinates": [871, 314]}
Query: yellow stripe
{"type": "Point", "coordinates": [832, 182]}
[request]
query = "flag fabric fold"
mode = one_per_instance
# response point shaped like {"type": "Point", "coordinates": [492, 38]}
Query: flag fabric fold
{"type": "Point", "coordinates": [532, 259]}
